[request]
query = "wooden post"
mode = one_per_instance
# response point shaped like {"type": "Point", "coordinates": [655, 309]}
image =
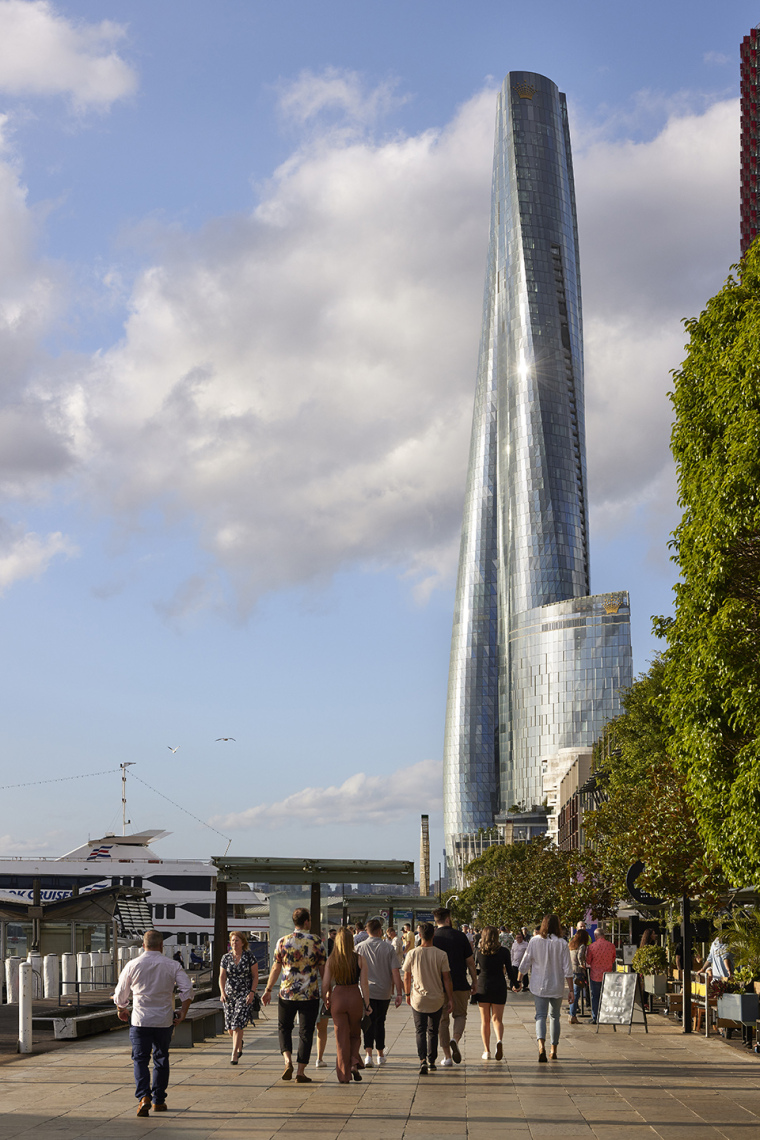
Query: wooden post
{"type": "Point", "coordinates": [315, 909]}
{"type": "Point", "coordinates": [115, 950]}
{"type": "Point", "coordinates": [220, 934]}
{"type": "Point", "coordinates": [686, 946]}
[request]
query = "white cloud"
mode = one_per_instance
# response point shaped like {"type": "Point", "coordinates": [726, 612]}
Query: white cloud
{"type": "Point", "coordinates": [33, 444]}
{"type": "Point", "coordinates": [44, 53]}
{"type": "Point", "coordinates": [316, 95]}
{"type": "Point", "coordinates": [299, 381]}
{"type": "Point", "coordinates": [658, 230]}
{"type": "Point", "coordinates": [360, 799]}
{"type": "Point", "coordinates": [11, 846]}
{"type": "Point", "coordinates": [27, 555]}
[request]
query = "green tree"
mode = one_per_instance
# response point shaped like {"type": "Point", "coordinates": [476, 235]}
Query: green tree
{"type": "Point", "coordinates": [714, 641]}
{"type": "Point", "coordinates": [520, 883]}
{"type": "Point", "coordinates": [648, 815]}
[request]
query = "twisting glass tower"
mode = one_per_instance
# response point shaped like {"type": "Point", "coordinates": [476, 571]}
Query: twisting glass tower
{"type": "Point", "coordinates": [536, 664]}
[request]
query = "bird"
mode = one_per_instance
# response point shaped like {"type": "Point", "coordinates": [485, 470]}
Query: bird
{"type": "Point", "coordinates": [173, 749]}
{"type": "Point", "coordinates": [224, 738]}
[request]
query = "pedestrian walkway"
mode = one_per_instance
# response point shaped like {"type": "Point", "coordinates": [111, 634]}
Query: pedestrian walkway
{"type": "Point", "coordinates": [607, 1085]}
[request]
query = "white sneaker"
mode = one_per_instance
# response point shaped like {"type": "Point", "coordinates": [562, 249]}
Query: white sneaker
{"type": "Point", "coordinates": [447, 1063]}
{"type": "Point", "coordinates": [381, 1059]}
{"type": "Point", "coordinates": [318, 1064]}
{"type": "Point", "coordinates": [486, 1057]}
{"type": "Point", "coordinates": [368, 1060]}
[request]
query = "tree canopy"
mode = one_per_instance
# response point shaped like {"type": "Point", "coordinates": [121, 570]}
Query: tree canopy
{"type": "Point", "coordinates": [518, 884]}
{"type": "Point", "coordinates": [714, 640]}
{"type": "Point", "coordinates": [648, 815]}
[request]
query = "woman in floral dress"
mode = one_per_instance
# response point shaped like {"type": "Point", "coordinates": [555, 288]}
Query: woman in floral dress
{"type": "Point", "coordinates": [238, 979]}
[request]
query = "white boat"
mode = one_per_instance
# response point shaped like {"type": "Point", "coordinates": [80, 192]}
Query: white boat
{"type": "Point", "coordinates": [181, 892]}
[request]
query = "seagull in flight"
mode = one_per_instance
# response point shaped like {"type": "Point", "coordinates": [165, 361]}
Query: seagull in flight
{"type": "Point", "coordinates": [224, 738]}
{"type": "Point", "coordinates": [173, 749]}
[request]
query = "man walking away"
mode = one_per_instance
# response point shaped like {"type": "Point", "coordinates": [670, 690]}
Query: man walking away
{"type": "Point", "coordinates": [397, 942]}
{"type": "Point", "coordinates": [457, 947]}
{"type": "Point", "coordinates": [361, 934]}
{"type": "Point", "coordinates": [300, 958]}
{"type": "Point", "coordinates": [427, 985]}
{"type": "Point", "coordinates": [600, 959]}
{"type": "Point", "coordinates": [150, 980]}
{"type": "Point", "coordinates": [383, 975]}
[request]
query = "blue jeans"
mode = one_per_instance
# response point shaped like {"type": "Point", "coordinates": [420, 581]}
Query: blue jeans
{"type": "Point", "coordinates": [553, 1008]}
{"type": "Point", "coordinates": [578, 988]}
{"type": "Point", "coordinates": [147, 1039]}
{"type": "Point", "coordinates": [596, 993]}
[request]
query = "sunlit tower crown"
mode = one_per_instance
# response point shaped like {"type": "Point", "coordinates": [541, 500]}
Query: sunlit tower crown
{"type": "Point", "coordinates": [534, 668]}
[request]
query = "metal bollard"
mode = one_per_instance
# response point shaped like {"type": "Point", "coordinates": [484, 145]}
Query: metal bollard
{"type": "Point", "coordinates": [25, 981]}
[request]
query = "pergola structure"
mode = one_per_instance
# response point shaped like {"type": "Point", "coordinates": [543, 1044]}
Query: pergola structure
{"type": "Point", "coordinates": [296, 872]}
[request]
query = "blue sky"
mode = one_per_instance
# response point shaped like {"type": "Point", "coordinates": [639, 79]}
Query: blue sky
{"type": "Point", "coordinates": [241, 261]}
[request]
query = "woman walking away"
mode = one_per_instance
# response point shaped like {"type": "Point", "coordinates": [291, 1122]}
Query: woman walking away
{"type": "Point", "coordinates": [238, 979]}
{"type": "Point", "coordinates": [346, 994]}
{"type": "Point", "coordinates": [547, 957]}
{"type": "Point", "coordinates": [517, 951]}
{"type": "Point", "coordinates": [578, 944]}
{"type": "Point", "coordinates": [494, 964]}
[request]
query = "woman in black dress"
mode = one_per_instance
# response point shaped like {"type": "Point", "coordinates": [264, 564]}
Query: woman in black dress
{"type": "Point", "coordinates": [494, 964]}
{"type": "Point", "coordinates": [238, 979]}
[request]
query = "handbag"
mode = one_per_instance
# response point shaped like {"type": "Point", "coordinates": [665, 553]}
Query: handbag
{"type": "Point", "coordinates": [366, 1022]}
{"type": "Point", "coordinates": [323, 1011]}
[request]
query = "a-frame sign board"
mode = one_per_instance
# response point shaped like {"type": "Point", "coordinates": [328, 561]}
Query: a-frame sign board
{"type": "Point", "coordinates": [620, 994]}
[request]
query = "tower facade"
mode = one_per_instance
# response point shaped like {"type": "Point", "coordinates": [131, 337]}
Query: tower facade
{"type": "Point", "coordinates": [750, 138]}
{"type": "Point", "coordinates": [536, 664]}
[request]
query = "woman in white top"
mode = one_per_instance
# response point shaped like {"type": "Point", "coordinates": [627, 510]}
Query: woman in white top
{"type": "Point", "coordinates": [547, 958]}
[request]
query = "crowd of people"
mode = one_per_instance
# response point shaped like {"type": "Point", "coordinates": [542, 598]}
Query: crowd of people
{"type": "Point", "coordinates": [351, 979]}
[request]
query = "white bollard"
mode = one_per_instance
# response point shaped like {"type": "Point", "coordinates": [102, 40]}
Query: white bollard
{"type": "Point", "coordinates": [11, 979]}
{"type": "Point", "coordinates": [25, 980]}
{"type": "Point", "coordinates": [185, 951]}
{"type": "Point", "coordinates": [51, 974]}
{"type": "Point", "coordinates": [106, 962]}
{"type": "Point", "coordinates": [68, 973]}
{"type": "Point", "coordinates": [84, 972]}
{"type": "Point", "coordinates": [34, 958]}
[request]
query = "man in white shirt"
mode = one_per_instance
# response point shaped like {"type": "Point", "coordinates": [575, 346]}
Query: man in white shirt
{"type": "Point", "coordinates": [383, 976]}
{"type": "Point", "coordinates": [150, 980]}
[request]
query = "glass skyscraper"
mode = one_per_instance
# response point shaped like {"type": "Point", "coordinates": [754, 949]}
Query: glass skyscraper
{"type": "Point", "coordinates": [536, 664]}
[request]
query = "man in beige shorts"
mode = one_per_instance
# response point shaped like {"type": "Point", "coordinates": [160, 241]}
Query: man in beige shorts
{"type": "Point", "coordinates": [461, 961]}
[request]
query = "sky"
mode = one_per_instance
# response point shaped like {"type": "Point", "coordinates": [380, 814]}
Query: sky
{"type": "Point", "coordinates": [242, 254]}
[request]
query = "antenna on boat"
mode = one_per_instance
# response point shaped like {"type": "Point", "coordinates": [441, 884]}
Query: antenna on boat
{"type": "Point", "coordinates": [124, 820]}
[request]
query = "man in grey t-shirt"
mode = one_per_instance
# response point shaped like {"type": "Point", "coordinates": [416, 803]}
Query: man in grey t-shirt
{"type": "Point", "coordinates": [383, 974]}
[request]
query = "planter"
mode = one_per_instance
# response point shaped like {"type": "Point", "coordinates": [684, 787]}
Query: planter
{"type": "Point", "coordinates": [656, 984]}
{"type": "Point", "coordinates": [738, 1007]}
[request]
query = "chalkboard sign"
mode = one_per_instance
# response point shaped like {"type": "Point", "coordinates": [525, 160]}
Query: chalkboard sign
{"type": "Point", "coordinates": [620, 993]}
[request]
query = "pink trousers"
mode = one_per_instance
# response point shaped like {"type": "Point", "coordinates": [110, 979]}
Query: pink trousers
{"type": "Point", "coordinates": [347, 1007]}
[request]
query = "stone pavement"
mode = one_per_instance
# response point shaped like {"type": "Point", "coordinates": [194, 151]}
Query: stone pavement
{"type": "Point", "coordinates": [608, 1086]}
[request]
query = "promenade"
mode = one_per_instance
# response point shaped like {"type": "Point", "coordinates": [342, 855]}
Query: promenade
{"type": "Point", "coordinates": [607, 1085]}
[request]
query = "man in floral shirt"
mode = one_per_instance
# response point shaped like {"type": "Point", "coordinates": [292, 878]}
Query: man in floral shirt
{"type": "Point", "coordinates": [300, 958]}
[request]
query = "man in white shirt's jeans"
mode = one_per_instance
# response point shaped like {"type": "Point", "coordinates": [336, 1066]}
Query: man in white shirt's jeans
{"type": "Point", "coordinates": [150, 980]}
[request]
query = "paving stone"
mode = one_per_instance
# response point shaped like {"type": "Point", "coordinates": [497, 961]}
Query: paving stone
{"type": "Point", "coordinates": [611, 1087]}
